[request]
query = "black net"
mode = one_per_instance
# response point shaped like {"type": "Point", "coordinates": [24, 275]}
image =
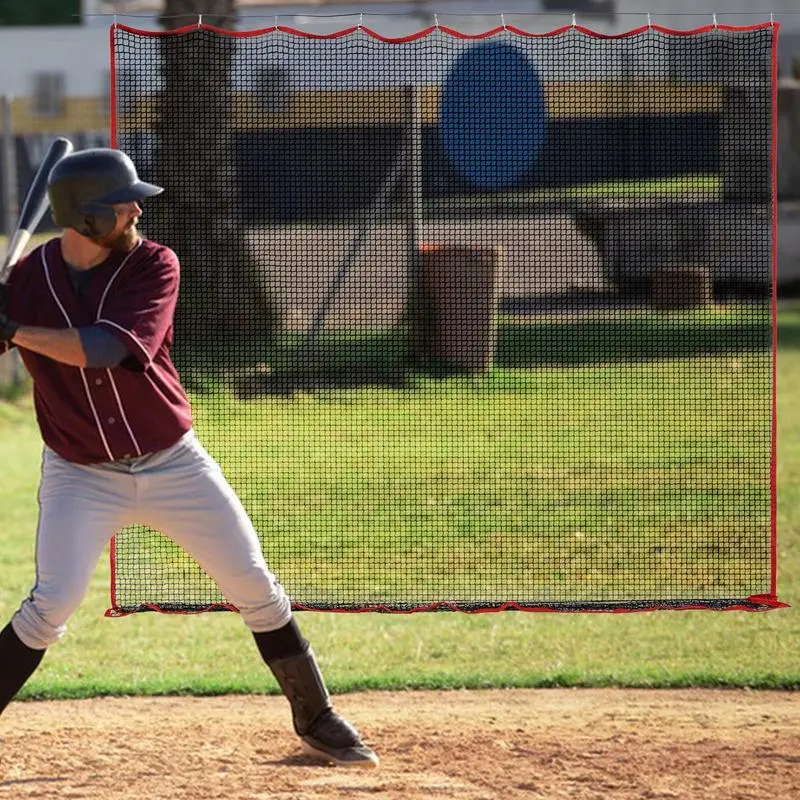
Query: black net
{"type": "Point", "coordinates": [469, 324]}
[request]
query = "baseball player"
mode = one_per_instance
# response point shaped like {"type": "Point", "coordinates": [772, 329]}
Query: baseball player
{"type": "Point", "coordinates": [91, 313]}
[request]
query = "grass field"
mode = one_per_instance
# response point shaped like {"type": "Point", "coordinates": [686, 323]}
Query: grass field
{"type": "Point", "coordinates": [685, 188]}
{"type": "Point", "coordinates": [574, 471]}
{"type": "Point", "coordinates": [149, 653]}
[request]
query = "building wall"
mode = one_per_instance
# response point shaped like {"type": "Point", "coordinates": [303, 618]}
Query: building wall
{"type": "Point", "coordinates": [82, 53]}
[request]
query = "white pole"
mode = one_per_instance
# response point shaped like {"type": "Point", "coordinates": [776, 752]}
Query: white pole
{"type": "Point", "coordinates": [8, 166]}
{"type": "Point", "coordinates": [8, 169]}
{"type": "Point", "coordinates": [412, 124]}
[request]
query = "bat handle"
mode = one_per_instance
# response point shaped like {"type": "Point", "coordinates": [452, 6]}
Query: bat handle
{"type": "Point", "coordinates": [16, 247]}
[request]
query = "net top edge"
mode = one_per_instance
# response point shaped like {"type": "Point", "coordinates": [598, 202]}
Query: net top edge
{"type": "Point", "coordinates": [446, 31]}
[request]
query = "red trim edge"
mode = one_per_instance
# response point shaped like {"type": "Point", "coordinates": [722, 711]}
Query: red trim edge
{"type": "Point", "coordinates": [774, 432]}
{"type": "Point", "coordinates": [769, 600]}
{"type": "Point", "coordinates": [445, 31]}
{"type": "Point", "coordinates": [754, 603]}
{"type": "Point", "coordinates": [113, 89]}
{"type": "Point", "coordinates": [117, 611]}
{"type": "Point", "coordinates": [112, 547]}
{"type": "Point", "coordinates": [112, 552]}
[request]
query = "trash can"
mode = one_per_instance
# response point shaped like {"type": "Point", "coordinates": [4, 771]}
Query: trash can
{"type": "Point", "coordinates": [682, 287]}
{"type": "Point", "coordinates": [456, 318]}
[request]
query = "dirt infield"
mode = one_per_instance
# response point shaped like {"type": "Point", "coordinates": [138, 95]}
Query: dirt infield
{"type": "Point", "coordinates": [471, 745]}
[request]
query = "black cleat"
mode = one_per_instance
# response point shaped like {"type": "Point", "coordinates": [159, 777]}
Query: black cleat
{"type": "Point", "coordinates": [324, 734]}
{"type": "Point", "coordinates": [333, 739]}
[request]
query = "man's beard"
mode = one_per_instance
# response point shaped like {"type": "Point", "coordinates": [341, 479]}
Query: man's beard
{"type": "Point", "coordinates": [121, 242]}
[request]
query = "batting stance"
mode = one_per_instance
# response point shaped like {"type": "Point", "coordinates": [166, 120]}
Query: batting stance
{"type": "Point", "coordinates": [92, 315]}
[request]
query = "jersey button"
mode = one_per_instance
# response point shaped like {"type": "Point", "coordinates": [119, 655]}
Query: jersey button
{"type": "Point", "coordinates": [98, 381]}
{"type": "Point", "coordinates": [111, 420]}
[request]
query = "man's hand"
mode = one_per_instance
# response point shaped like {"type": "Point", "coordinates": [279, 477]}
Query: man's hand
{"type": "Point", "coordinates": [7, 328]}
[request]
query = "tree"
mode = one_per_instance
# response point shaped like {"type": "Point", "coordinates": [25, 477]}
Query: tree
{"type": "Point", "coordinates": [42, 12]}
{"type": "Point", "coordinates": [198, 217]}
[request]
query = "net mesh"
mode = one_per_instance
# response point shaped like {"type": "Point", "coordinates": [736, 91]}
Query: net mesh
{"type": "Point", "coordinates": [469, 324]}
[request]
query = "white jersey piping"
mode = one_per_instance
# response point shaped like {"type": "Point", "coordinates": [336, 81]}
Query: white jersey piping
{"type": "Point", "coordinates": [138, 343]}
{"type": "Point", "coordinates": [113, 278]}
{"type": "Point", "coordinates": [103, 321]}
{"type": "Point", "coordinates": [122, 413]}
{"type": "Point", "coordinates": [83, 372]}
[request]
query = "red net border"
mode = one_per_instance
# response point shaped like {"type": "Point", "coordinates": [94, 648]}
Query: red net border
{"type": "Point", "coordinates": [761, 602]}
{"type": "Point", "coordinates": [775, 26]}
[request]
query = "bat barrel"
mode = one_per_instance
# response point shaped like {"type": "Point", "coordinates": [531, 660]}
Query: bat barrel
{"type": "Point", "coordinates": [34, 206]}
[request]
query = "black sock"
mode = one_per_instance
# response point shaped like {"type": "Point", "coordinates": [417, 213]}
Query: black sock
{"type": "Point", "coordinates": [17, 663]}
{"type": "Point", "coordinates": [281, 643]}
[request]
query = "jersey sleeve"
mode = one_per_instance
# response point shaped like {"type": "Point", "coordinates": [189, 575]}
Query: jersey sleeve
{"type": "Point", "coordinates": [102, 349]}
{"type": "Point", "coordinates": [140, 305]}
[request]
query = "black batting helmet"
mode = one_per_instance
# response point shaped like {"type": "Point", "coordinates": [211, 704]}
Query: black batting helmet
{"type": "Point", "coordinates": [84, 186]}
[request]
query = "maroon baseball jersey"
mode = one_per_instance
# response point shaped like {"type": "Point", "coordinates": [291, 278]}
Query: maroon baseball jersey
{"type": "Point", "coordinates": [93, 415]}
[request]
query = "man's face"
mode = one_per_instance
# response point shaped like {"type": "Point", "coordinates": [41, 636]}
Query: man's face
{"type": "Point", "coordinates": [124, 236]}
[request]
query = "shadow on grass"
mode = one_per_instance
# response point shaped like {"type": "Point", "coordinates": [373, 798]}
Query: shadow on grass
{"type": "Point", "coordinates": [789, 316]}
{"type": "Point", "coordinates": [282, 367]}
{"type": "Point", "coordinates": [629, 340]}
{"type": "Point", "coordinates": [789, 334]}
{"type": "Point", "coordinates": [382, 358]}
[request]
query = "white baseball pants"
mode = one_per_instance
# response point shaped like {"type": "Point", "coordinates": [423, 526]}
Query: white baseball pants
{"type": "Point", "coordinates": [180, 492]}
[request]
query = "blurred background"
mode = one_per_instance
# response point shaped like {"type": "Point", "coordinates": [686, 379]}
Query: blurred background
{"type": "Point", "coordinates": [55, 79]}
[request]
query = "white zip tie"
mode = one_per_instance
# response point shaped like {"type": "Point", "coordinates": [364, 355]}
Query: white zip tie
{"type": "Point", "coordinates": [503, 20]}
{"type": "Point", "coordinates": [574, 22]}
{"type": "Point", "coordinates": [436, 21]}
{"type": "Point", "coordinates": [714, 17]}
{"type": "Point", "coordinates": [276, 23]}
{"type": "Point", "coordinates": [199, 20]}
{"type": "Point", "coordinates": [361, 21]}
{"type": "Point", "coordinates": [649, 23]}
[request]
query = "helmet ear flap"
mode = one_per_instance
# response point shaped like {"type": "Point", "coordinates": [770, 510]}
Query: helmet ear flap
{"type": "Point", "coordinates": [98, 220]}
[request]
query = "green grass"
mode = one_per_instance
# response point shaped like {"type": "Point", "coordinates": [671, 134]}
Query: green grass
{"type": "Point", "coordinates": [149, 653]}
{"type": "Point", "coordinates": [535, 484]}
{"type": "Point", "coordinates": [684, 188]}
{"type": "Point", "coordinates": [36, 240]}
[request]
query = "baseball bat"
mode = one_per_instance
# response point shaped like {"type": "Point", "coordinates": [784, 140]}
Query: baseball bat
{"type": "Point", "coordinates": [34, 207]}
